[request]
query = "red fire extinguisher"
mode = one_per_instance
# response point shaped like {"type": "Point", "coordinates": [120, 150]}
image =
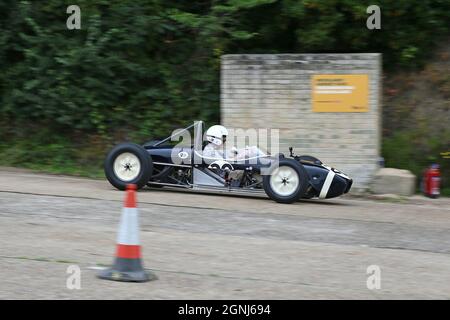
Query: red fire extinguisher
{"type": "Point", "coordinates": [431, 181]}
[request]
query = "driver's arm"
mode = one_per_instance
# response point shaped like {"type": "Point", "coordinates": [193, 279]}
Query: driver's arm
{"type": "Point", "coordinates": [211, 152]}
{"type": "Point", "coordinates": [232, 153]}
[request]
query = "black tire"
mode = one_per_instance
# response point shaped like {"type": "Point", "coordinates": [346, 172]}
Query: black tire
{"type": "Point", "coordinates": [298, 192]}
{"type": "Point", "coordinates": [146, 165]}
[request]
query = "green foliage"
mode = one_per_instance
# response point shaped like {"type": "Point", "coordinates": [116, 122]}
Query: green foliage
{"type": "Point", "coordinates": [53, 153]}
{"type": "Point", "coordinates": [413, 150]}
{"type": "Point", "coordinates": [138, 68]}
{"type": "Point", "coordinates": [416, 117]}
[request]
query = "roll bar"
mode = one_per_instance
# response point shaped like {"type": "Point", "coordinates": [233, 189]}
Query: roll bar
{"type": "Point", "coordinates": [198, 135]}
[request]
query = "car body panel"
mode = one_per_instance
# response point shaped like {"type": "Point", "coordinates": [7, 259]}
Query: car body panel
{"type": "Point", "coordinates": [324, 181]}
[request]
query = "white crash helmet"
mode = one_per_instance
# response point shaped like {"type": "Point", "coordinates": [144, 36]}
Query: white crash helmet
{"type": "Point", "coordinates": [217, 134]}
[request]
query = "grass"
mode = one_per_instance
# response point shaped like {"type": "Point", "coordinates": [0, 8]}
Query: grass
{"type": "Point", "coordinates": [88, 172]}
{"type": "Point", "coordinates": [56, 157]}
{"type": "Point", "coordinates": [445, 192]}
{"type": "Point", "coordinates": [43, 259]}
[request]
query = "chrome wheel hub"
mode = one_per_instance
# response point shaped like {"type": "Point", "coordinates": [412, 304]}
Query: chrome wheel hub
{"type": "Point", "coordinates": [127, 166]}
{"type": "Point", "coordinates": [284, 181]}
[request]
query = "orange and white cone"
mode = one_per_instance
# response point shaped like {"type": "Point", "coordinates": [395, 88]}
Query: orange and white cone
{"type": "Point", "coordinates": [127, 264]}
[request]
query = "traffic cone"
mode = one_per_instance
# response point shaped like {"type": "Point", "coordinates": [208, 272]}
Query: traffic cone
{"type": "Point", "coordinates": [127, 264]}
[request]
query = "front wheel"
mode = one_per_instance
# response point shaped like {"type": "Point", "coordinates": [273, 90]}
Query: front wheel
{"type": "Point", "coordinates": [128, 163]}
{"type": "Point", "coordinates": [287, 183]}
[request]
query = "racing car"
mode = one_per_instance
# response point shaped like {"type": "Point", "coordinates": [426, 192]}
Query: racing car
{"type": "Point", "coordinates": [160, 164]}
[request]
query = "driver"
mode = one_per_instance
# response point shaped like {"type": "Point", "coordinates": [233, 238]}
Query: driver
{"type": "Point", "coordinates": [216, 148]}
{"type": "Point", "coordinates": [216, 136]}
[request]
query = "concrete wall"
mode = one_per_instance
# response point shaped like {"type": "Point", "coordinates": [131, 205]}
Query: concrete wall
{"type": "Point", "coordinates": [274, 91]}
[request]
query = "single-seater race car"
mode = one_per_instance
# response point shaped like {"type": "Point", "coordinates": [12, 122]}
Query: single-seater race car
{"type": "Point", "coordinates": [161, 164]}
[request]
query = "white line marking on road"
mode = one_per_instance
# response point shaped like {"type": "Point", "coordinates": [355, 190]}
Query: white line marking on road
{"type": "Point", "coordinates": [96, 268]}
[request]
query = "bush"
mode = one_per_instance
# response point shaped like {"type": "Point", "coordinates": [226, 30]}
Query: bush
{"type": "Point", "coordinates": [139, 69]}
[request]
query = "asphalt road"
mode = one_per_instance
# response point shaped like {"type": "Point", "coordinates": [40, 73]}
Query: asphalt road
{"type": "Point", "coordinates": [218, 247]}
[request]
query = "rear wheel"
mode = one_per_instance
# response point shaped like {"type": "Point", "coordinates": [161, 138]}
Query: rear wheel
{"type": "Point", "coordinates": [128, 163]}
{"type": "Point", "coordinates": [287, 183]}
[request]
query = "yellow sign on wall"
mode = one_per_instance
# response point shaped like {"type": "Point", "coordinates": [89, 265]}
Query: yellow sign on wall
{"type": "Point", "coordinates": [340, 93]}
